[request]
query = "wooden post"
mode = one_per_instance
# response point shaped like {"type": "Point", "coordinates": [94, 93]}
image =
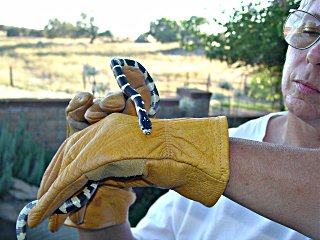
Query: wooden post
{"type": "Point", "coordinates": [208, 82]}
{"type": "Point", "coordinates": [94, 87]}
{"type": "Point", "coordinates": [11, 76]}
{"type": "Point", "coordinates": [186, 84]}
{"type": "Point", "coordinates": [84, 79]}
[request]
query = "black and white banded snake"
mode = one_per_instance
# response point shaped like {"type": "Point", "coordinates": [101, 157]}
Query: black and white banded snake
{"type": "Point", "coordinates": [76, 202]}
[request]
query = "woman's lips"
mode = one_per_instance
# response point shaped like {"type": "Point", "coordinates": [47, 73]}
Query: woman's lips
{"type": "Point", "coordinates": [306, 89]}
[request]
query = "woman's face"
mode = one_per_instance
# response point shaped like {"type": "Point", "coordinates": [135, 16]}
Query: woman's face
{"type": "Point", "coordinates": [301, 77]}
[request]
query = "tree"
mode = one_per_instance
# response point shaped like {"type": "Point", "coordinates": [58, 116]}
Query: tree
{"type": "Point", "coordinates": [190, 32]}
{"type": "Point", "coordinates": [106, 33]}
{"type": "Point", "coordinates": [253, 36]}
{"type": "Point", "coordinates": [55, 29]}
{"type": "Point", "coordinates": [164, 30]}
{"type": "Point", "coordinates": [13, 32]}
{"type": "Point", "coordinates": [86, 27]}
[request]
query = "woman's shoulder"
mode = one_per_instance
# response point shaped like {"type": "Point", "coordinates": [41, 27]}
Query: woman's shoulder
{"type": "Point", "coordinates": [254, 129]}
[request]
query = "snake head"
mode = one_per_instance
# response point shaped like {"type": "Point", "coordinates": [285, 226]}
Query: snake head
{"type": "Point", "coordinates": [146, 131]}
{"type": "Point", "coordinates": [145, 123]}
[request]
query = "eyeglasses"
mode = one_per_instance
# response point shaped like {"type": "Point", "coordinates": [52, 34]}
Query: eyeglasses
{"type": "Point", "coordinates": [301, 29]}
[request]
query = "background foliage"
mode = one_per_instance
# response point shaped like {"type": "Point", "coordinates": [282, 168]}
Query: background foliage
{"type": "Point", "coordinates": [84, 28]}
{"type": "Point", "coordinates": [164, 30]}
{"type": "Point", "coordinates": [20, 157]}
{"type": "Point", "coordinates": [253, 36]}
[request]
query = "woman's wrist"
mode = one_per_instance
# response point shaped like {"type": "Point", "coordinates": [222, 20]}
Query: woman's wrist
{"type": "Point", "coordinates": [120, 231]}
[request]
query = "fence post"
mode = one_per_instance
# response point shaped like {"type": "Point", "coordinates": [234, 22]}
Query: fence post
{"type": "Point", "coordinates": [11, 76]}
{"type": "Point", "coordinates": [84, 79]}
{"type": "Point", "coordinates": [186, 84]}
{"type": "Point", "coordinates": [208, 82]}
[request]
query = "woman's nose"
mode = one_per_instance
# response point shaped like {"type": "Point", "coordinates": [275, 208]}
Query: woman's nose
{"type": "Point", "coordinates": [313, 55]}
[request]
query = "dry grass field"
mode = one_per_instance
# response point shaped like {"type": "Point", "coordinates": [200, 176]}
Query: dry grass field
{"type": "Point", "coordinates": [52, 68]}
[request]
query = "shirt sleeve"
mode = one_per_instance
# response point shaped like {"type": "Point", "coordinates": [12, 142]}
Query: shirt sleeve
{"type": "Point", "coordinates": [157, 224]}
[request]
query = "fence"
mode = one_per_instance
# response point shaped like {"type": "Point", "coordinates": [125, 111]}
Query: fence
{"type": "Point", "coordinates": [227, 87]}
{"type": "Point", "coordinates": [167, 84]}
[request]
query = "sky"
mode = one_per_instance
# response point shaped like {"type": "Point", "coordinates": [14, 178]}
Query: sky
{"type": "Point", "coordinates": [123, 18]}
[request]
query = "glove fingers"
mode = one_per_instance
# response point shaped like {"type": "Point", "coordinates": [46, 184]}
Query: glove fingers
{"type": "Point", "coordinates": [145, 94]}
{"type": "Point", "coordinates": [134, 75]}
{"type": "Point", "coordinates": [75, 112]}
{"type": "Point", "coordinates": [94, 113]}
{"type": "Point", "coordinates": [59, 192]}
{"type": "Point", "coordinates": [58, 162]}
{"type": "Point", "coordinates": [79, 105]}
{"type": "Point", "coordinates": [52, 170]}
{"type": "Point", "coordinates": [113, 102]}
{"type": "Point", "coordinates": [56, 221]}
{"type": "Point", "coordinates": [74, 126]}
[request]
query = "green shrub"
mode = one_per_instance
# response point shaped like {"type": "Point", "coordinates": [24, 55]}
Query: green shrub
{"type": "Point", "coordinates": [7, 147]}
{"type": "Point", "coordinates": [147, 196]}
{"type": "Point", "coordinates": [218, 96]}
{"type": "Point", "coordinates": [225, 85]}
{"type": "Point", "coordinates": [20, 156]}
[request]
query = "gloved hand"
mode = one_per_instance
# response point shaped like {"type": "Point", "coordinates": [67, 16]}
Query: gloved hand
{"type": "Point", "coordinates": [82, 110]}
{"type": "Point", "coordinates": [189, 156]}
{"type": "Point", "coordinates": [110, 205]}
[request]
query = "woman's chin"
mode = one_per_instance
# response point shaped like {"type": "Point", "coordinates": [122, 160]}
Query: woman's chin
{"type": "Point", "coordinates": [302, 110]}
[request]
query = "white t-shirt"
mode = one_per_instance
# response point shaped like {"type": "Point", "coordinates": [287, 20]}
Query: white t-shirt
{"type": "Point", "coordinates": [173, 216]}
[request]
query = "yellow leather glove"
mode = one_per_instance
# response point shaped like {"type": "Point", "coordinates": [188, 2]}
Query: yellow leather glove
{"type": "Point", "coordinates": [189, 156]}
{"type": "Point", "coordinates": [110, 205]}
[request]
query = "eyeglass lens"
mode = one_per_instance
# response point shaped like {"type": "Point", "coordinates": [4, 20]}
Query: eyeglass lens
{"type": "Point", "coordinates": [301, 30]}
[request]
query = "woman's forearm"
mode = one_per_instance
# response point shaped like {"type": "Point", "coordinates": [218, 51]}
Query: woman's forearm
{"type": "Point", "coordinates": [117, 232]}
{"type": "Point", "coordinates": [278, 182]}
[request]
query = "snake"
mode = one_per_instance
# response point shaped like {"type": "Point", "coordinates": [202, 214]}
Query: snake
{"type": "Point", "coordinates": [116, 65]}
{"type": "Point", "coordinates": [78, 201]}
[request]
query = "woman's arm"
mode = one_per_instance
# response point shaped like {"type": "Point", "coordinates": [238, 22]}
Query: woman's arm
{"type": "Point", "coordinates": [117, 232]}
{"type": "Point", "coordinates": [278, 182]}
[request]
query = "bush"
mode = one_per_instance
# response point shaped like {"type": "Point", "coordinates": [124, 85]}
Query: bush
{"type": "Point", "coordinates": [219, 96]}
{"type": "Point", "coordinates": [145, 198]}
{"type": "Point", "coordinates": [266, 85]}
{"type": "Point", "coordinates": [20, 157]}
{"type": "Point", "coordinates": [225, 85]}
{"type": "Point", "coordinates": [7, 147]}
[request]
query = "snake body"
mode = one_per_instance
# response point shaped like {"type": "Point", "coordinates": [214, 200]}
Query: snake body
{"type": "Point", "coordinates": [76, 202]}
{"type": "Point", "coordinates": [116, 65]}
{"type": "Point", "coordinates": [70, 205]}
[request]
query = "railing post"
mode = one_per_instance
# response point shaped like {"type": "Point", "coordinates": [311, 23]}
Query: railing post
{"type": "Point", "coordinates": [209, 82]}
{"type": "Point", "coordinates": [11, 76]}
